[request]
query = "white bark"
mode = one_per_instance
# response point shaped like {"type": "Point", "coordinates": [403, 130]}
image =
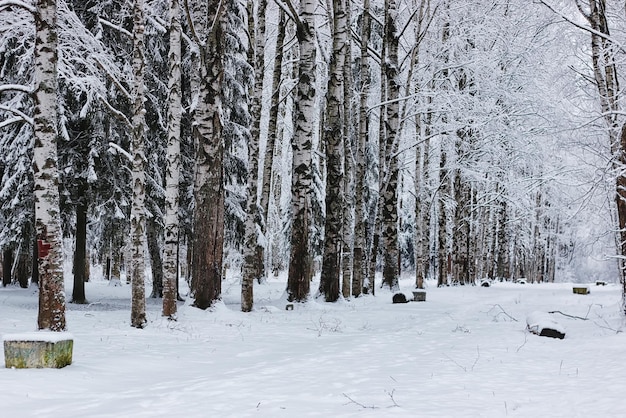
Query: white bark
{"type": "Point", "coordinates": [208, 223]}
{"type": "Point", "coordinates": [47, 216]}
{"type": "Point", "coordinates": [253, 253]}
{"type": "Point", "coordinates": [360, 250]}
{"type": "Point", "coordinates": [137, 214]}
{"type": "Point", "coordinates": [333, 138]}
{"type": "Point", "coordinates": [298, 282]}
{"type": "Point", "coordinates": [170, 252]}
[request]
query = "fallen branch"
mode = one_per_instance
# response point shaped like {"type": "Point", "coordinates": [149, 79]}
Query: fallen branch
{"type": "Point", "coordinates": [359, 403]}
{"type": "Point", "coordinates": [502, 311]}
{"type": "Point", "coordinates": [569, 316]}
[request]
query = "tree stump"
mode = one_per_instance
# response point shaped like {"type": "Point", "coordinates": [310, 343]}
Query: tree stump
{"type": "Point", "coordinates": [419, 296]}
{"type": "Point", "coordinates": [38, 350]}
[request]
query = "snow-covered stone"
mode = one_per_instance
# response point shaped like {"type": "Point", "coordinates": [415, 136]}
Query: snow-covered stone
{"type": "Point", "coordinates": [543, 324]}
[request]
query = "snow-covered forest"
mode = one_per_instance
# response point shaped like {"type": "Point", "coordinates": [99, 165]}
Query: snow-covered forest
{"type": "Point", "coordinates": [357, 142]}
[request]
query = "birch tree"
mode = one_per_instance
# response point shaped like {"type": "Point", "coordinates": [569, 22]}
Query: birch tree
{"type": "Point", "coordinates": [253, 268]}
{"type": "Point", "coordinates": [208, 227]}
{"type": "Point", "coordinates": [334, 140]}
{"type": "Point", "coordinates": [360, 247]}
{"type": "Point", "coordinates": [170, 254]}
{"type": "Point", "coordinates": [299, 276]}
{"type": "Point", "coordinates": [605, 74]}
{"type": "Point", "coordinates": [137, 215]}
{"type": "Point", "coordinates": [47, 212]}
{"type": "Point", "coordinates": [389, 185]}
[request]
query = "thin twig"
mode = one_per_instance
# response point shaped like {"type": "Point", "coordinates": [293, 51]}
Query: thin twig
{"type": "Point", "coordinates": [359, 403]}
{"type": "Point", "coordinates": [570, 316]}
{"type": "Point", "coordinates": [525, 340]}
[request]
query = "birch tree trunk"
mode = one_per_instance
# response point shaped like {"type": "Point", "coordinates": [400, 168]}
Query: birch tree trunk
{"type": "Point", "coordinates": [360, 246]}
{"type": "Point", "coordinates": [208, 223]}
{"type": "Point", "coordinates": [174, 114]}
{"type": "Point", "coordinates": [442, 253]}
{"type": "Point", "coordinates": [390, 185]}
{"type": "Point", "coordinates": [272, 130]}
{"type": "Point", "coordinates": [80, 250]}
{"type": "Point", "coordinates": [253, 255]}
{"type": "Point", "coordinates": [137, 212]}
{"type": "Point", "coordinates": [334, 139]}
{"type": "Point", "coordinates": [348, 178]}
{"type": "Point", "coordinates": [298, 282]}
{"type": "Point", "coordinates": [47, 217]}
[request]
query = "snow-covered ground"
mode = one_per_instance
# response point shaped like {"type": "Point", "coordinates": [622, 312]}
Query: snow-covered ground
{"type": "Point", "coordinates": [465, 352]}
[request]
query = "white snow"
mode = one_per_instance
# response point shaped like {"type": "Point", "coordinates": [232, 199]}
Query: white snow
{"type": "Point", "coordinates": [465, 352]}
{"type": "Point", "coordinates": [44, 336]}
{"type": "Point", "coordinates": [538, 321]}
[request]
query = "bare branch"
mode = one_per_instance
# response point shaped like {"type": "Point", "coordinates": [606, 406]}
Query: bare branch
{"type": "Point", "coordinates": [359, 403]}
{"type": "Point", "coordinates": [569, 316]}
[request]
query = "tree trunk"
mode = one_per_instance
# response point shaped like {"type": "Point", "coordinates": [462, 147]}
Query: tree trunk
{"type": "Point", "coordinates": [270, 177]}
{"type": "Point", "coordinates": [22, 268]}
{"type": "Point", "coordinates": [137, 213]}
{"type": "Point", "coordinates": [348, 179]}
{"type": "Point", "coordinates": [156, 259]}
{"type": "Point", "coordinates": [389, 189]}
{"type": "Point", "coordinates": [80, 251]}
{"type": "Point", "coordinates": [174, 115]}
{"type": "Point", "coordinates": [334, 140]}
{"type": "Point", "coordinates": [47, 216]}
{"type": "Point", "coordinates": [442, 253]}
{"type": "Point", "coordinates": [253, 255]}
{"type": "Point", "coordinates": [7, 266]}
{"type": "Point", "coordinates": [209, 194]}
{"type": "Point", "coordinates": [360, 243]}
{"type": "Point", "coordinates": [299, 276]}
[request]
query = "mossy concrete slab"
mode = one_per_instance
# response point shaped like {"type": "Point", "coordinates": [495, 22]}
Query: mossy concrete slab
{"type": "Point", "coordinates": [38, 350]}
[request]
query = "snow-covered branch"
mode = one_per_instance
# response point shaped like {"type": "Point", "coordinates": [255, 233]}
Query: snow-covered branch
{"type": "Point", "coordinates": [116, 113]}
{"type": "Point", "coordinates": [113, 146]}
{"type": "Point", "coordinates": [11, 122]}
{"type": "Point", "coordinates": [8, 3]}
{"type": "Point", "coordinates": [583, 27]}
{"type": "Point", "coordinates": [16, 87]}
{"type": "Point", "coordinates": [19, 113]}
{"type": "Point", "coordinates": [161, 25]}
{"type": "Point", "coordinates": [288, 9]}
{"type": "Point", "coordinates": [114, 79]}
{"type": "Point", "coordinates": [115, 27]}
